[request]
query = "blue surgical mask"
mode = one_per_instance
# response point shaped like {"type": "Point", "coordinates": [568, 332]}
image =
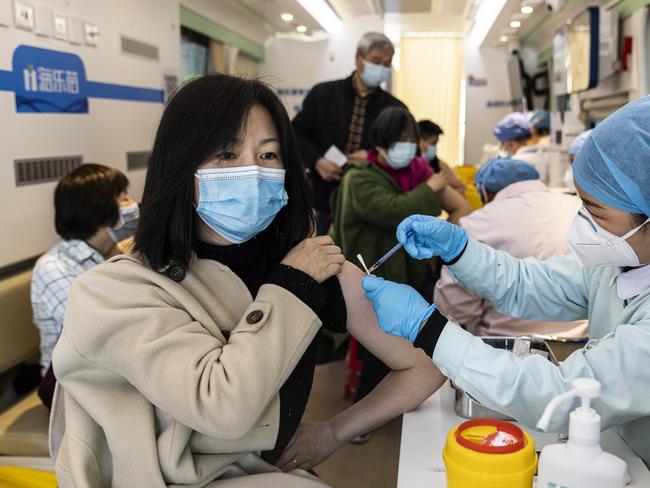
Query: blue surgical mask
{"type": "Point", "coordinates": [127, 223]}
{"type": "Point", "coordinates": [430, 152]}
{"type": "Point", "coordinates": [374, 74]}
{"type": "Point", "coordinates": [400, 154]}
{"type": "Point", "coordinates": [239, 203]}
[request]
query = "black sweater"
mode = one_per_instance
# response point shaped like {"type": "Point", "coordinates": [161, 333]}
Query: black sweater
{"type": "Point", "coordinates": [253, 263]}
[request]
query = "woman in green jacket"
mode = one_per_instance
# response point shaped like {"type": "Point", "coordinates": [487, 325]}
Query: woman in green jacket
{"type": "Point", "coordinates": [374, 197]}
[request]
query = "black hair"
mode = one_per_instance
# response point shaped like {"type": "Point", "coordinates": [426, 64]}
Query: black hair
{"type": "Point", "coordinates": [429, 128]}
{"type": "Point", "coordinates": [390, 125]}
{"type": "Point", "coordinates": [542, 131]}
{"type": "Point", "coordinates": [204, 116]}
{"type": "Point", "coordinates": [86, 199]}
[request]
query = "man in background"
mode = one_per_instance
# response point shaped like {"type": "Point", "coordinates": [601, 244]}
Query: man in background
{"type": "Point", "coordinates": [339, 113]}
{"type": "Point", "coordinates": [430, 133]}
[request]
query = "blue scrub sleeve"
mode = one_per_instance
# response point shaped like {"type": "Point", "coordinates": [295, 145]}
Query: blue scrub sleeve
{"type": "Point", "coordinates": [553, 290]}
{"type": "Point", "coordinates": [522, 388]}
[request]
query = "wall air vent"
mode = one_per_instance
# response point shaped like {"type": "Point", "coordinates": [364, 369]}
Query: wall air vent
{"type": "Point", "coordinates": [41, 170]}
{"type": "Point", "coordinates": [137, 160]}
{"type": "Point", "coordinates": [140, 49]}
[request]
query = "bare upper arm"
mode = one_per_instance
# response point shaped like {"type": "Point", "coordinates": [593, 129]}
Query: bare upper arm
{"type": "Point", "coordinates": [454, 204]}
{"type": "Point", "coordinates": [395, 352]}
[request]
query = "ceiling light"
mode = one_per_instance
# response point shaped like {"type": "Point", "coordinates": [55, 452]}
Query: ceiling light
{"type": "Point", "coordinates": [503, 38]}
{"type": "Point", "coordinates": [568, 22]}
{"type": "Point", "coordinates": [527, 10]}
{"type": "Point", "coordinates": [287, 17]}
{"type": "Point", "coordinates": [322, 13]}
{"type": "Point", "coordinates": [301, 28]}
{"type": "Point", "coordinates": [486, 13]}
{"type": "Point", "coordinates": [515, 24]}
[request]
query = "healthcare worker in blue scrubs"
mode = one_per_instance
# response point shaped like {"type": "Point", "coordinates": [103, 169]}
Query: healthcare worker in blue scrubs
{"type": "Point", "coordinates": [606, 280]}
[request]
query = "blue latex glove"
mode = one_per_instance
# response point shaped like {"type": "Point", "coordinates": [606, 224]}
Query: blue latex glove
{"type": "Point", "coordinates": [424, 237]}
{"type": "Point", "coordinates": [400, 309]}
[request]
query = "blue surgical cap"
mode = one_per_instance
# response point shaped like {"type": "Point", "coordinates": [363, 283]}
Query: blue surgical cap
{"type": "Point", "coordinates": [513, 126]}
{"type": "Point", "coordinates": [540, 119]}
{"type": "Point", "coordinates": [577, 143]}
{"type": "Point", "coordinates": [498, 173]}
{"type": "Point", "coordinates": [613, 165]}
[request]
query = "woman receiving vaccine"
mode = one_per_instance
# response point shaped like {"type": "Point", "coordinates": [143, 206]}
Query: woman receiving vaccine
{"type": "Point", "coordinates": [190, 361]}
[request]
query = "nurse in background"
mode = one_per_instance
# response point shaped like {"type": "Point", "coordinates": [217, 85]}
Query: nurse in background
{"type": "Point", "coordinates": [574, 148]}
{"type": "Point", "coordinates": [523, 218]}
{"type": "Point", "coordinates": [540, 125]}
{"type": "Point", "coordinates": [607, 281]}
{"type": "Point", "coordinates": [514, 133]}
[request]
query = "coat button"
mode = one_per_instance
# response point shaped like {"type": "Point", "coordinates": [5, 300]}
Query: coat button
{"type": "Point", "coordinates": [176, 272]}
{"type": "Point", "coordinates": [254, 317]}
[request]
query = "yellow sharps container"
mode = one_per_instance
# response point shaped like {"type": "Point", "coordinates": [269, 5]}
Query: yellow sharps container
{"type": "Point", "coordinates": [466, 175]}
{"type": "Point", "coordinates": [489, 453]}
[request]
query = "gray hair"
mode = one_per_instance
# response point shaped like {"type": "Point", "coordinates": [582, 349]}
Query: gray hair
{"type": "Point", "coordinates": [372, 40]}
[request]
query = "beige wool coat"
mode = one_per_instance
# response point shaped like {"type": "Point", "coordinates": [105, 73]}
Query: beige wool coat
{"type": "Point", "coordinates": [152, 393]}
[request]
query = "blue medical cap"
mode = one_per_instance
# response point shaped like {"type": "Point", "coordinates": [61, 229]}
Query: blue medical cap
{"type": "Point", "coordinates": [513, 126]}
{"type": "Point", "coordinates": [613, 165]}
{"type": "Point", "coordinates": [498, 173]}
{"type": "Point", "coordinates": [577, 143]}
{"type": "Point", "coordinates": [540, 119]}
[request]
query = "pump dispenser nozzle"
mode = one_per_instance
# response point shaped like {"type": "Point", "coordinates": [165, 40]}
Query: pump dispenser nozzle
{"type": "Point", "coordinates": [581, 462]}
{"type": "Point", "coordinates": [584, 422]}
{"type": "Point", "coordinates": [585, 388]}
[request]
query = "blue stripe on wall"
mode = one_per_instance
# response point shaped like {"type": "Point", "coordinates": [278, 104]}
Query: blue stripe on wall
{"type": "Point", "coordinates": [96, 89]}
{"type": "Point", "coordinates": [6, 80]}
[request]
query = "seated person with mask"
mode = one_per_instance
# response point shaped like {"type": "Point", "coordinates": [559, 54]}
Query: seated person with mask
{"type": "Point", "coordinates": [514, 133]}
{"type": "Point", "coordinates": [93, 214]}
{"type": "Point", "coordinates": [430, 133]}
{"type": "Point", "coordinates": [523, 218]}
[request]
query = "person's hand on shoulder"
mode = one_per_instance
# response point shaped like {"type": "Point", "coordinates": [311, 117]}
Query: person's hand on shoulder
{"type": "Point", "coordinates": [318, 257]}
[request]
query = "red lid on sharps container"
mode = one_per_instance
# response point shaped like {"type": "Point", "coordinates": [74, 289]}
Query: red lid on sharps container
{"type": "Point", "coordinates": [500, 437]}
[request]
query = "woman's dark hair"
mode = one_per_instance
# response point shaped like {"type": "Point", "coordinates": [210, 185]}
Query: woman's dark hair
{"type": "Point", "coordinates": [390, 126]}
{"type": "Point", "coordinates": [429, 128]}
{"type": "Point", "coordinates": [203, 117]}
{"type": "Point", "coordinates": [86, 199]}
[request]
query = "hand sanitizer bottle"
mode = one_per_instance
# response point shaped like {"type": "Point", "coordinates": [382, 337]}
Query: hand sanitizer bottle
{"type": "Point", "coordinates": [580, 463]}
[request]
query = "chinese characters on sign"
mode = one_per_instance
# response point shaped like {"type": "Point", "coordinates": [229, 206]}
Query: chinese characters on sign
{"type": "Point", "coordinates": [50, 80]}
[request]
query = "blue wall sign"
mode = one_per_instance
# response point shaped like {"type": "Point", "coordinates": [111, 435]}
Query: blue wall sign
{"type": "Point", "coordinates": [46, 81]}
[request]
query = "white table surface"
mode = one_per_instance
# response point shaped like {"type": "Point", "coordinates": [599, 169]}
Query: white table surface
{"type": "Point", "coordinates": [424, 432]}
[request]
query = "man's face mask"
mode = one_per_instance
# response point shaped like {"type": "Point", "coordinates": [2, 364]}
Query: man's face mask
{"type": "Point", "coordinates": [374, 74]}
